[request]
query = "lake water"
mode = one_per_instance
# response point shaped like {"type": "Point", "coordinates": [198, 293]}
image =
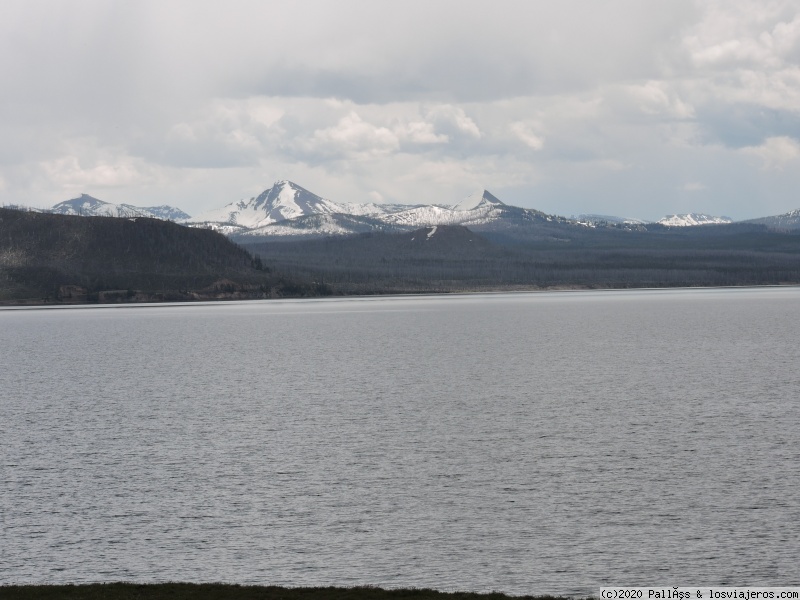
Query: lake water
{"type": "Point", "coordinates": [526, 443]}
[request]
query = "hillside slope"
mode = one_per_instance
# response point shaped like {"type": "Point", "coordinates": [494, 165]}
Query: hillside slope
{"type": "Point", "coordinates": [59, 258]}
{"type": "Point", "coordinates": [456, 258]}
{"type": "Point", "coordinates": [87, 206]}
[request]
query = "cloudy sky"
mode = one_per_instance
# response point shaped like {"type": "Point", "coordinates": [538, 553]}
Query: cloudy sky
{"type": "Point", "coordinates": [625, 107]}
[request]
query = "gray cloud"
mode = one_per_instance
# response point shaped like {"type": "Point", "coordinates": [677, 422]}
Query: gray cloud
{"type": "Point", "coordinates": [638, 108]}
{"type": "Point", "coordinates": [461, 51]}
{"type": "Point", "coordinates": [739, 126]}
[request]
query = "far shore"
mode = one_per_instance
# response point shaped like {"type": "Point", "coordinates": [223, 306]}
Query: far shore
{"type": "Point", "coordinates": [220, 591]}
{"type": "Point", "coordinates": [38, 303]}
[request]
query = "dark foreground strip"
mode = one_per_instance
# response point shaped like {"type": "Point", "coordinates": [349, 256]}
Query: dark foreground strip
{"type": "Point", "coordinates": [214, 591]}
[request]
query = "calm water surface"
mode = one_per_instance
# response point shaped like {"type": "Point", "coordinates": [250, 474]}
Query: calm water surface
{"type": "Point", "coordinates": [528, 443]}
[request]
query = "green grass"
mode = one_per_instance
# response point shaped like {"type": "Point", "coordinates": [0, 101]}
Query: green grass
{"type": "Point", "coordinates": [214, 591]}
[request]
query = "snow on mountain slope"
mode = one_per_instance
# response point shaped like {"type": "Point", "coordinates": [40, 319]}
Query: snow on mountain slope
{"type": "Point", "coordinates": [789, 220]}
{"type": "Point", "coordinates": [425, 216]}
{"type": "Point", "coordinates": [692, 219]}
{"type": "Point", "coordinates": [88, 206]}
{"type": "Point", "coordinates": [592, 219]}
{"type": "Point", "coordinates": [166, 213]}
{"type": "Point", "coordinates": [285, 201]}
{"type": "Point", "coordinates": [321, 225]}
{"type": "Point", "coordinates": [286, 209]}
{"type": "Point", "coordinates": [481, 199]}
{"type": "Point", "coordinates": [478, 208]}
{"type": "Point", "coordinates": [317, 225]}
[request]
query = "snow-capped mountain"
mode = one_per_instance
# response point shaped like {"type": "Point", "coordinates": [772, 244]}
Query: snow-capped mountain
{"type": "Point", "coordinates": [481, 199]}
{"type": "Point", "coordinates": [88, 206]}
{"type": "Point", "coordinates": [319, 225]}
{"type": "Point", "coordinates": [789, 220]}
{"type": "Point", "coordinates": [166, 213]}
{"type": "Point", "coordinates": [692, 219]}
{"type": "Point", "coordinates": [283, 201]}
{"type": "Point", "coordinates": [286, 209]}
{"type": "Point", "coordinates": [480, 207]}
{"type": "Point", "coordinates": [480, 210]}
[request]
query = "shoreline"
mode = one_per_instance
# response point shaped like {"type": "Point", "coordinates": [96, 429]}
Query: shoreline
{"type": "Point", "coordinates": [218, 591]}
{"type": "Point", "coordinates": [32, 304]}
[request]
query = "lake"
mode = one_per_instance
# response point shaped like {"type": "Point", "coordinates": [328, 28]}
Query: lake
{"type": "Point", "coordinates": [527, 443]}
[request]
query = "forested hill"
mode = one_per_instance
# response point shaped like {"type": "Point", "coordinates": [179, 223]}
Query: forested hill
{"type": "Point", "coordinates": [454, 258]}
{"type": "Point", "coordinates": [59, 258]}
{"type": "Point", "coordinates": [66, 259]}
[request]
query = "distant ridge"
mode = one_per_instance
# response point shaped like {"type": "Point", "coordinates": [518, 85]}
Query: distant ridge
{"type": "Point", "coordinates": [286, 210]}
{"type": "Point", "coordinates": [693, 219]}
{"type": "Point", "coordinates": [789, 220]}
{"type": "Point", "coordinates": [284, 201]}
{"type": "Point", "coordinates": [89, 206]}
{"type": "Point", "coordinates": [597, 219]}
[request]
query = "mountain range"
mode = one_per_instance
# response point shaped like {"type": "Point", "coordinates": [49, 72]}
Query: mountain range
{"type": "Point", "coordinates": [88, 206]}
{"type": "Point", "coordinates": [684, 220]}
{"type": "Point", "coordinates": [401, 249]}
{"type": "Point", "coordinates": [286, 211]}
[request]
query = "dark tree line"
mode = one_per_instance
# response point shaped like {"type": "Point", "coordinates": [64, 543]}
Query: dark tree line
{"type": "Point", "coordinates": [50, 257]}
{"type": "Point", "coordinates": [376, 263]}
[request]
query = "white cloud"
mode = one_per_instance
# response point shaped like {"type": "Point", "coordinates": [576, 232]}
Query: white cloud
{"type": "Point", "coordinates": [744, 34]}
{"type": "Point", "coordinates": [775, 152]}
{"type": "Point", "coordinates": [419, 132]}
{"type": "Point", "coordinates": [658, 98]}
{"type": "Point", "coordinates": [529, 134]}
{"type": "Point", "coordinates": [777, 89]}
{"type": "Point", "coordinates": [221, 136]}
{"type": "Point", "coordinates": [601, 104]}
{"type": "Point", "coordinates": [70, 173]}
{"type": "Point", "coordinates": [453, 120]}
{"type": "Point", "coordinates": [352, 137]}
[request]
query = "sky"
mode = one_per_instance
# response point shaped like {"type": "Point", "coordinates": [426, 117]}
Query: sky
{"type": "Point", "coordinates": [622, 107]}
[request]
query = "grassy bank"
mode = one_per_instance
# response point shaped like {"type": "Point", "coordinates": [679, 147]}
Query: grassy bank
{"type": "Point", "coordinates": [215, 591]}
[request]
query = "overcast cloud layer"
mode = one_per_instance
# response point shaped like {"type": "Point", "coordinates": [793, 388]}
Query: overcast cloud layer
{"type": "Point", "coordinates": [621, 107]}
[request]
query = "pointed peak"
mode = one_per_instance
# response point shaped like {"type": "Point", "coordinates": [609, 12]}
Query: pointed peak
{"type": "Point", "coordinates": [489, 197]}
{"type": "Point", "coordinates": [285, 183]}
{"type": "Point", "coordinates": [285, 189]}
{"type": "Point", "coordinates": [84, 200]}
{"type": "Point", "coordinates": [87, 198]}
{"type": "Point", "coordinates": [479, 199]}
{"type": "Point", "coordinates": [280, 189]}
